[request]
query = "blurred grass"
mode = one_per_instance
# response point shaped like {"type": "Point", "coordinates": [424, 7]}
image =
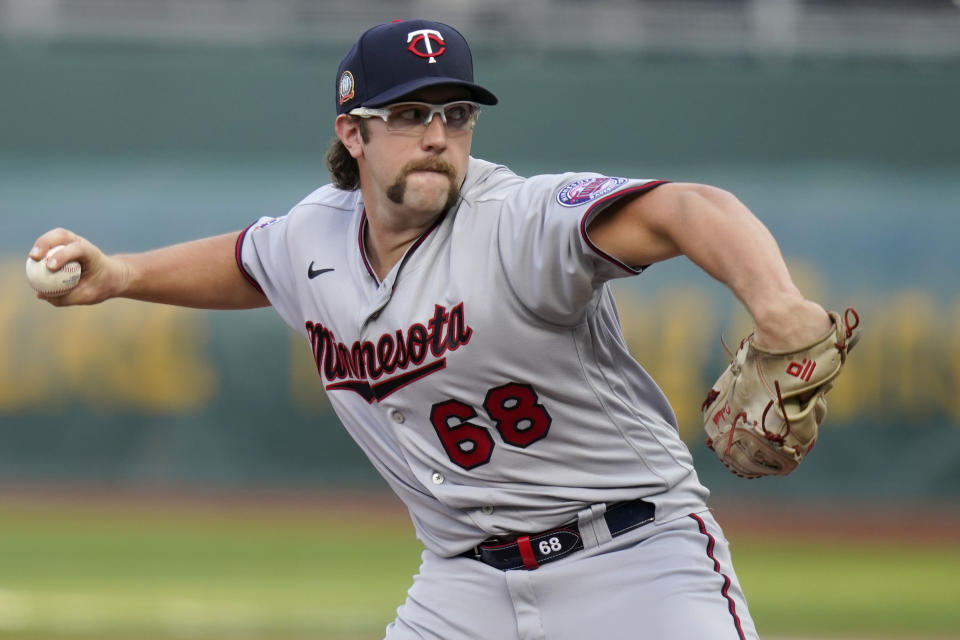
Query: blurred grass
{"type": "Point", "coordinates": [208, 572]}
{"type": "Point", "coordinates": [841, 589]}
{"type": "Point", "coordinates": [202, 573]}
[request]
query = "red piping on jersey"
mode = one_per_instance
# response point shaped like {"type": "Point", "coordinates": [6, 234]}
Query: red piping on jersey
{"type": "Point", "coordinates": [724, 591]}
{"type": "Point", "coordinates": [526, 552]}
{"type": "Point", "coordinates": [648, 186]}
{"type": "Point", "coordinates": [363, 253]}
{"type": "Point", "coordinates": [409, 252]}
{"type": "Point", "coordinates": [236, 252]}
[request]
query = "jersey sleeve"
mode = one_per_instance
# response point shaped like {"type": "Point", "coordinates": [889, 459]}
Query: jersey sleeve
{"type": "Point", "coordinates": [549, 260]}
{"type": "Point", "coordinates": [262, 254]}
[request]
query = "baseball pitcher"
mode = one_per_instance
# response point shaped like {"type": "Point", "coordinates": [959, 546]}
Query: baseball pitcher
{"type": "Point", "coordinates": [464, 331]}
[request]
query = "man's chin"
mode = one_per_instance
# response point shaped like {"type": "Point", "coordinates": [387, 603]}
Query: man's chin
{"type": "Point", "coordinates": [429, 204]}
{"type": "Point", "coordinates": [429, 191]}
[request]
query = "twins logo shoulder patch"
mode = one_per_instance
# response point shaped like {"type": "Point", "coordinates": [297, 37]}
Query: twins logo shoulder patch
{"type": "Point", "coordinates": [578, 192]}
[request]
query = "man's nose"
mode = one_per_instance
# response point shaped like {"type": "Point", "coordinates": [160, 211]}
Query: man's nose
{"type": "Point", "coordinates": [435, 134]}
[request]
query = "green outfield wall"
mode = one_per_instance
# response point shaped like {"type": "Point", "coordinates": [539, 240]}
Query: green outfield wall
{"type": "Point", "coordinates": [853, 165]}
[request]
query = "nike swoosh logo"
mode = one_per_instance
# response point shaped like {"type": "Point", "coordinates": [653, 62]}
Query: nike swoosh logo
{"type": "Point", "coordinates": [313, 273]}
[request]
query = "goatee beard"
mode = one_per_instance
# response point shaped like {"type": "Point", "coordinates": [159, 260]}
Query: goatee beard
{"type": "Point", "coordinates": [398, 189]}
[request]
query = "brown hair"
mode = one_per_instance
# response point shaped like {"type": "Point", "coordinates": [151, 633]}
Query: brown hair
{"type": "Point", "coordinates": [343, 167]}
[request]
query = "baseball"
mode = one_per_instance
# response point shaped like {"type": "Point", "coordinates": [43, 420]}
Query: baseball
{"type": "Point", "coordinates": [52, 283]}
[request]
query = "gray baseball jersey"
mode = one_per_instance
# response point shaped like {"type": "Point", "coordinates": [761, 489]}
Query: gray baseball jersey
{"type": "Point", "coordinates": [488, 360]}
{"type": "Point", "coordinates": [486, 377]}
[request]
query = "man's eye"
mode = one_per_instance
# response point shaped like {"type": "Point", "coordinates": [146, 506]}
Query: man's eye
{"type": "Point", "coordinates": [457, 114]}
{"type": "Point", "coordinates": [410, 114]}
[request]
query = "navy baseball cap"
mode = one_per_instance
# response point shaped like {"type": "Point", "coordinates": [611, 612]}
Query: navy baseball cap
{"type": "Point", "coordinates": [393, 60]}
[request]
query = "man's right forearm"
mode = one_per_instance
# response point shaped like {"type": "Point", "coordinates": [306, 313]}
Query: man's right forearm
{"type": "Point", "coordinates": [200, 273]}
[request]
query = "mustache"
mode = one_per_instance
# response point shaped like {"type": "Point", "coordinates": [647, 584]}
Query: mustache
{"type": "Point", "coordinates": [429, 164]}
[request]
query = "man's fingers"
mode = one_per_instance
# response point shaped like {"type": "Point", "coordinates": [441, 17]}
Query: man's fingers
{"type": "Point", "coordinates": [73, 248]}
{"type": "Point", "coordinates": [50, 239]}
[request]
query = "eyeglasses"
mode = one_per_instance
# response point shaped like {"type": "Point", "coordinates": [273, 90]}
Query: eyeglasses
{"type": "Point", "coordinates": [413, 117]}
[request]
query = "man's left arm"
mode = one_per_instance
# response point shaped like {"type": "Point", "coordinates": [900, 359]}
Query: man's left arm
{"type": "Point", "coordinates": [718, 233]}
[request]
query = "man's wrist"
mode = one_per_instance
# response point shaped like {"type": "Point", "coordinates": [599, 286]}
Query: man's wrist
{"type": "Point", "coordinates": [789, 322]}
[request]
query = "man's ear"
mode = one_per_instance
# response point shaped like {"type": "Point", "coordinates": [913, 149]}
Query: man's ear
{"type": "Point", "coordinates": [348, 131]}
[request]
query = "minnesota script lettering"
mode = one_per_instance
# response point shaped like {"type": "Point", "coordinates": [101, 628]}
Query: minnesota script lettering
{"type": "Point", "coordinates": [359, 367]}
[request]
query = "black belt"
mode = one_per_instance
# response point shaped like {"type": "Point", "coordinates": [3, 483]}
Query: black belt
{"type": "Point", "coordinates": [530, 551]}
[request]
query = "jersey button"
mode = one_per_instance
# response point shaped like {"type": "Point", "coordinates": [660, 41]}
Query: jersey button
{"type": "Point", "coordinates": [396, 416]}
{"type": "Point", "coordinates": [437, 477]}
{"type": "Point", "coordinates": [486, 510]}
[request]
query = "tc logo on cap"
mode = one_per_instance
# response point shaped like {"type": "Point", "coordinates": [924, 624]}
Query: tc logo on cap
{"type": "Point", "coordinates": [427, 38]}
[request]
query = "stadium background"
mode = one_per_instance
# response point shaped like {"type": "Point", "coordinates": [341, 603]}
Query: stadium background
{"type": "Point", "coordinates": [143, 123]}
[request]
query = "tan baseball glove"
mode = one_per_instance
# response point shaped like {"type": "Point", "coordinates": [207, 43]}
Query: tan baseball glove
{"type": "Point", "coordinates": [763, 413]}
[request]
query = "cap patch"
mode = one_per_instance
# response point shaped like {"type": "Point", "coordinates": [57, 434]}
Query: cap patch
{"type": "Point", "coordinates": [578, 192]}
{"type": "Point", "coordinates": [347, 87]}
